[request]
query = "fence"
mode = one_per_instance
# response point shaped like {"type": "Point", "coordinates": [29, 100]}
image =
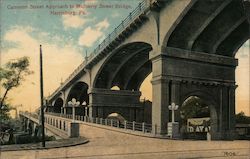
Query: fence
{"type": "Point", "coordinates": [63, 123]}
{"type": "Point", "coordinates": [62, 126]}
{"type": "Point", "coordinates": [126, 125]}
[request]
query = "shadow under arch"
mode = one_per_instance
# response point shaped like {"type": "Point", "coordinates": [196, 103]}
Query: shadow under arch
{"type": "Point", "coordinates": [121, 64]}
{"type": "Point", "coordinates": [211, 103]}
{"type": "Point", "coordinates": [79, 91]}
{"type": "Point", "coordinates": [58, 105]}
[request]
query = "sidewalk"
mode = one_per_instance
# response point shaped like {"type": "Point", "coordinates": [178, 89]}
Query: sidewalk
{"type": "Point", "coordinates": [49, 144]}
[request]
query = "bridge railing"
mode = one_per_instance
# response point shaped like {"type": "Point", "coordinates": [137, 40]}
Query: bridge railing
{"type": "Point", "coordinates": [62, 122]}
{"type": "Point", "coordinates": [53, 122]}
{"type": "Point", "coordinates": [138, 11]}
{"type": "Point", "coordinates": [126, 125]}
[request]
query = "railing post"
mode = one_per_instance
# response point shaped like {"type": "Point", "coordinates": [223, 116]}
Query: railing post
{"type": "Point", "coordinates": [101, 121]}
{"type": "Point", "coordinates": [111, 123]}
{"type": "Point", "coordinates": [122, 24]}
{"type": "Point", "coordinates": [133, 125]}
{"type": "Point", "coordinates": [143, 127]}
{"type": "Point", "coordinates": [106, 122]}
{"type": "Point", "coordinates": [155, 129]}
{"type": "Point", "coordinates": [117, 123]}
{"type": "Point", "coordinates": [96, 120]}
{"type": "Point", "coordinates": [109, 37]}
{"type": "Point", "coordinates": [125, 124]}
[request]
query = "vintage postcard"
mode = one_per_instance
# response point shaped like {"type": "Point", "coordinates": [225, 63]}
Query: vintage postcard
{"type": "Point", "coordinates": [132, 79]}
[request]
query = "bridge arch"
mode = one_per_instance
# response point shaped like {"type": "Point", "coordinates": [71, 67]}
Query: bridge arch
{"type": "Point", "coordinates": [212, 104]}
{"type": "Point", "coordinates": [221, 29]}
{"type": "Point", "coordinates": [79, 91]}
{"type": "Point", "coordinates": [175, 24]}
{"type": "Point", "coordinates": [123, 66]}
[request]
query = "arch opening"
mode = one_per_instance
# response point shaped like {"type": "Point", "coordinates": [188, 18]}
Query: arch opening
{"type": "Point", "coordinates": [116, 116]}
{"type": "Point", "coordinates": [115, 88]}
{"type": "Point", "coordinates": [122, 65]}
{"type": "Point", "coordinates": [242, 79]}
{"type": "Point", "coordinates": [116, 119]}
{"type": "Point", "coordinates": [58, 105]}
{"type": "Point", "coordinates": [146, 99]}
{"type": "Point", "coordinates": [197, 117]}
{"type": "Point", "coordinates": [80, 92]}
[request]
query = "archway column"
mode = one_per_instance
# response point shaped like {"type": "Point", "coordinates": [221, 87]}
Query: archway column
{"type": "Point", "coordinates": [232, 112]}
{"type": "Point", "coordinates": [160, 95]}
{"type": "Point", "coordinates": [227, 113]}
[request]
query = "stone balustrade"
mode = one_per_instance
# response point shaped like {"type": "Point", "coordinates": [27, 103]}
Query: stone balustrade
{"type": "Point", "coordinates": [126, 125]}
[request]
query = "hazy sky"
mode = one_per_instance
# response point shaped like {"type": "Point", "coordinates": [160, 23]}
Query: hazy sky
{"type": "Point", "coordinates": [66, 38]}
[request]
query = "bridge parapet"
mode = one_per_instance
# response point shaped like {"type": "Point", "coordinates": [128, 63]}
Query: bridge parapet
{"type": "Point", "coordinates": [65, 129]}
{"type": "Point", "coordinates": [60, 126]}
{"type": "Point", "coordinates": [126, 126]}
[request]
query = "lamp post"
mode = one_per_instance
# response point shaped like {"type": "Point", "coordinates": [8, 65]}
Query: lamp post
{"type": "Point", "coordinates": [41, 95]}
{"type": "Point", "coordinates": [84, 104]}
{"type": "Point", "coordinates": [173, 127]}
{"type": "Point", "coordinates": [61, 111]}
{"type": "Point", "coordinates": [74, 104]}
{"type": "Point", "coordinates": [173, 107]}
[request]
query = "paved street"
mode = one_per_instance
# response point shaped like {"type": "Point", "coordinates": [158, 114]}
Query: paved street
{"type": "Point", "coordinates": [106, 144]}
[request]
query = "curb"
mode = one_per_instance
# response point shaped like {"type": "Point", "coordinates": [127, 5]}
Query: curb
{"type": "Point", "coordinates": [42, 148]}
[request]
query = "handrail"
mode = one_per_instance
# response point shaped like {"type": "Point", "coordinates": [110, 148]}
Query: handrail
{"type": "Point", "coordinates": [126, 125]}
{"type": "Point", "coordinates": [138, 11]}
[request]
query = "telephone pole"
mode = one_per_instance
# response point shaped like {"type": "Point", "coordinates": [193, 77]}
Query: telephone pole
{"type": "Point", "coordinates": [41, 94]}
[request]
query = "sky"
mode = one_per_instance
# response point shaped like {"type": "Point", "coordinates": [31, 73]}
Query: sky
{"type": "Point", "coordinates": [67, 31]}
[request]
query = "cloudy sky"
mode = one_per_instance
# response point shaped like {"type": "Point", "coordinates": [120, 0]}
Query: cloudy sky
{"type": "Point", "coordinates": [66, 38]}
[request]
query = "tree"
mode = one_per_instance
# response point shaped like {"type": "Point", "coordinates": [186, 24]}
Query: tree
{"type": "Point", "coordinates": [241, 118]}
{"type": "Point", "coordinates": [194, 107]}
{"type": "Point", "coordinates": [12, 75]}
{"type": "Point", "coordinates": [4, 113]}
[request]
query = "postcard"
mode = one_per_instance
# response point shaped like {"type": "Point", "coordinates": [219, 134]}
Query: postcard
{"type": "Point", "coordinates": [105, 79]}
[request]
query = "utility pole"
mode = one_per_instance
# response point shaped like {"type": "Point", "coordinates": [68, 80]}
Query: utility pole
{"type": "Point", "coordinates": [41, 94]}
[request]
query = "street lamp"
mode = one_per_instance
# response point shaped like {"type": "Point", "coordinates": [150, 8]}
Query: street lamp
{"type": "Point", "coordinates": [61, 111]}
{"type": "Point", "coordinates": [173, 107]}
{"type": "Point", "coordinates": [173, 127]}
{"type": "Point", "coordinates": [85, 108]}
{"type": "Point", "coordinates": [74, 104]}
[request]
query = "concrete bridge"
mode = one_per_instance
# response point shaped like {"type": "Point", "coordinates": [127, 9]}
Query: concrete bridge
{"type": "Point", "coordinates": [188, 46]}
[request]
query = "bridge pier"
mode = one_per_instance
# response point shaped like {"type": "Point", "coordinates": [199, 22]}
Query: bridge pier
{"type": "Point", "coordinates": [160, 96]}
{"type": "Point", "coordinates": [179, 74]}
{"type": "Point", "coordinates": [103, 102]}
